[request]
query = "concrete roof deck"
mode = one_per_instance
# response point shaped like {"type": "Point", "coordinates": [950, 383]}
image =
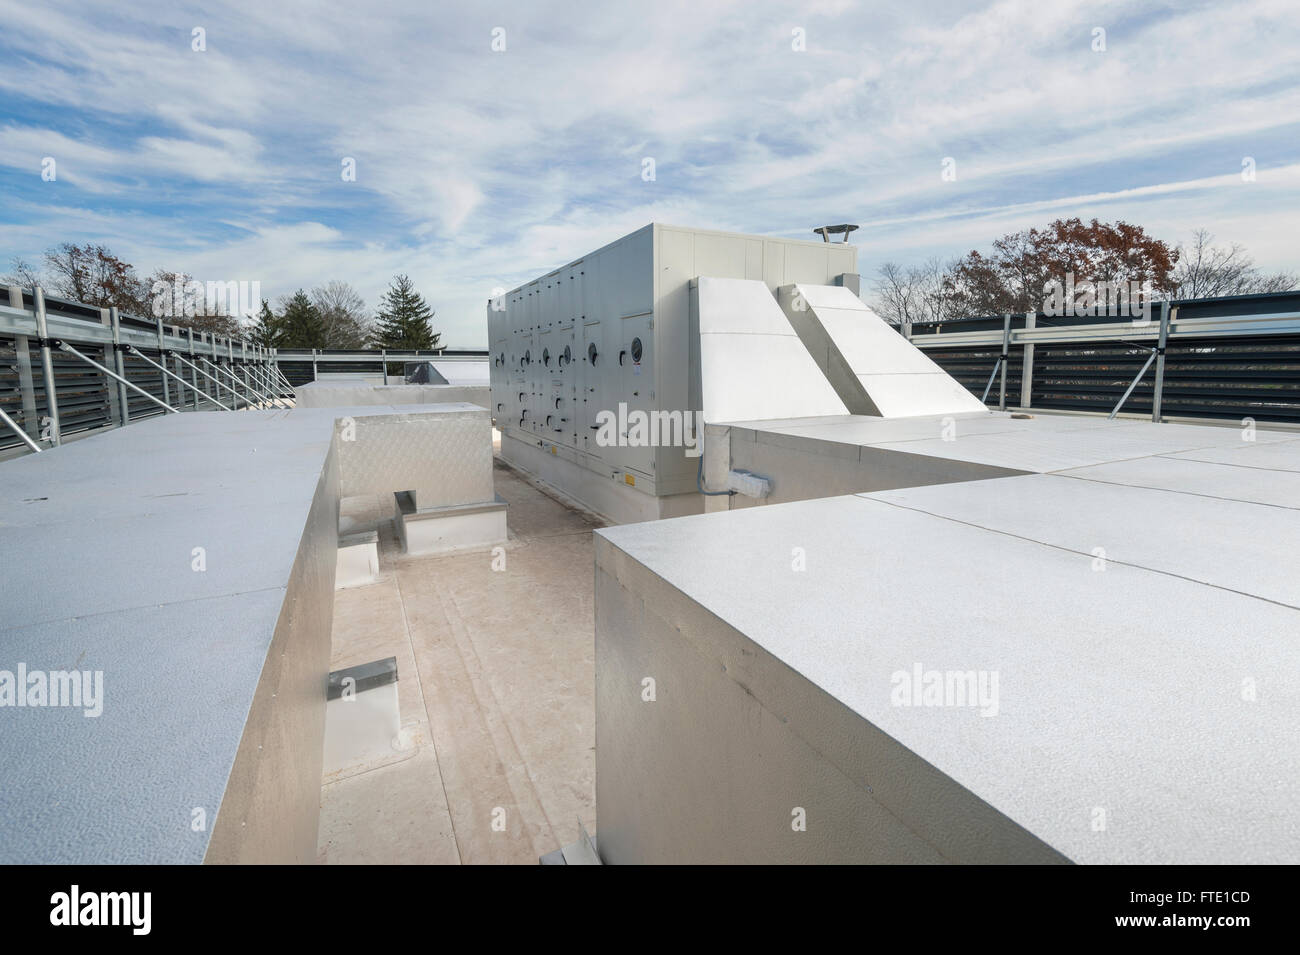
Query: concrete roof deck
{"type": "Point", "coordinates": [97, 540]}
{"type": "Point", "coordinates": [496, 687]}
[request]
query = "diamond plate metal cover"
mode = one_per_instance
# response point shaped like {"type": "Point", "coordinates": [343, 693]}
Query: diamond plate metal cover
{"type": "Point", "coordinates": [442, 457]}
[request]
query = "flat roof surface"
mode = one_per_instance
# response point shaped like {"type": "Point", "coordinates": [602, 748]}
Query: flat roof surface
{"type": "Point", "coordinates": [96, 539]}
{"type": "Point", "coordinates": [1144, 632]}
{"type": "Point", "coordinates": [1039, 444]}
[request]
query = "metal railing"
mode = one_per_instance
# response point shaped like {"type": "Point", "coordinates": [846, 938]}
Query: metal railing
{"type": "Point", "coordinates": [1225, 358]}
{"type": "Point", "coordinates": [67, 368]}
{"type": "Point", "coordinates": [70, 369]}
{"type": "Point", "coordinates": [301, 365]}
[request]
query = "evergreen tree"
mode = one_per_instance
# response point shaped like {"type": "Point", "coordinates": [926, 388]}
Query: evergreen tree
{"type": "Point", "coordinates": [404, 318]}
{"type": "Point", "coordinates": [266, 329]}
{"type": "Point", "coordinates": [300, 323]}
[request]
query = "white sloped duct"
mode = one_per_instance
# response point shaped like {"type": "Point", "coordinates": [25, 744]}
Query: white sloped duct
{"type": "Point", "coordinates": [873, 369]}
{"type": "Point", "coordinates": [752, 364]}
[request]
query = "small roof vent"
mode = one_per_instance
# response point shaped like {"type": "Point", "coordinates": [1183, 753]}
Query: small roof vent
{"type": "Point", "coordinates": [826, 231]}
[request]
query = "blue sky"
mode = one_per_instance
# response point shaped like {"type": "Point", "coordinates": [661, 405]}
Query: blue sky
{"type": "Point", "coordinates": [479, 169]}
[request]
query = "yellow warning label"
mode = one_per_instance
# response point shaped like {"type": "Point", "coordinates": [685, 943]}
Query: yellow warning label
{"type": "Point", "coordinates": [553, 451]}
{"type": "Point", "coordinates": [629, 479]}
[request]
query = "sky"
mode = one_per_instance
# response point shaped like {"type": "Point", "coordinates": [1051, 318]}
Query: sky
{"type": "Point", "coordinates": [495, 141]}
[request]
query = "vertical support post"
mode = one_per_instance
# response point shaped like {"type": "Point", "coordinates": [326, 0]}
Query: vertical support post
{"type": "Point", "coordinates": [1158, 394]}
{"type": "Point", "coordinates": [180, 368]}
{"type": "Point", "coordinates": [1006, 349]}
{"type": "Point", "coordinates": [383, 355]}
{"type": "Point", "coordinates": [47, 366]}
{"type": "Point", "coordinates": [275, 365]}
{"type": "Point", "coordinates": [110, 391]}
{"type": "Point", "coordinates": [210, 339]}
{"type": "Point", "coordinates": [1027, 364]}
{"type": "Point", "coordinates": [264, 382]}
{"type": "Point", "coordinates": [215, 359]}
{"type": "Point", "coordinates": [264, 354]}
{"type": "Point", "coordinates": [313, 364]}
{"type": "Point", "coordinates": [119, 366]}
{"type": "Point", "coordinates": [162, 347]}
{"type": "Point", "coordinates": [194, 360]}
{"type": "Point", "coordinates": [230, 370]}
{"type": "Point", "coordinates": [26, 383]}
{"type": "Point", "coordinates": [179, 372]}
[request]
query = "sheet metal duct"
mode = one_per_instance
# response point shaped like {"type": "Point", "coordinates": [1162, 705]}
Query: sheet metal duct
{"type": "Point", "coordinates": [873, 369]}
{"type": "Point", "coordinates": [752, 365]}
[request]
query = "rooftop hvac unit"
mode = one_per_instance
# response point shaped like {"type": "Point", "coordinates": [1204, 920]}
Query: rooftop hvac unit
{"type": "Point", "coordinates": [595, 365]}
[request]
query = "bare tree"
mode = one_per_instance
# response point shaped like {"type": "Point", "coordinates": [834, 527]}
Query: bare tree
{"type": "Point", "coordinates": [343, 311]}
{"type": "Point", "coordinates": [94, 275]}
{"type": "Point", "coordinates": [919, 293]}
{"type": "Point", "coordinates": [934, 293]}
{"type": "Point", "coordinates": [1206, 270]}
{"type": "Point", "coordinates": [22, 274]}
{"type": "Point", "coordinates": [895, 298]}
{"type": "Point", "coordinates": [182, 301]}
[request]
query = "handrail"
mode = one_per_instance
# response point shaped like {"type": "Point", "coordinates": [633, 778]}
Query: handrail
{"type": "Point", "coordinates": [26, 438]}
{"type": "Point", "coordinates": [64, 346]}
{"type": "Point", "coordinates": [145, 358]}
{"type": "Point", "coordinates": [1246, 326]}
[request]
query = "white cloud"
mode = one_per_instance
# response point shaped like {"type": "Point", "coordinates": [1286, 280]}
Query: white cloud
{"type": "Point", "coordinates": [477, 168]}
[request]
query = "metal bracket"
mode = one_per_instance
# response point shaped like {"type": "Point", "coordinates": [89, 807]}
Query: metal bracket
{"type": "Point", "coordinates": [1132, 385]}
